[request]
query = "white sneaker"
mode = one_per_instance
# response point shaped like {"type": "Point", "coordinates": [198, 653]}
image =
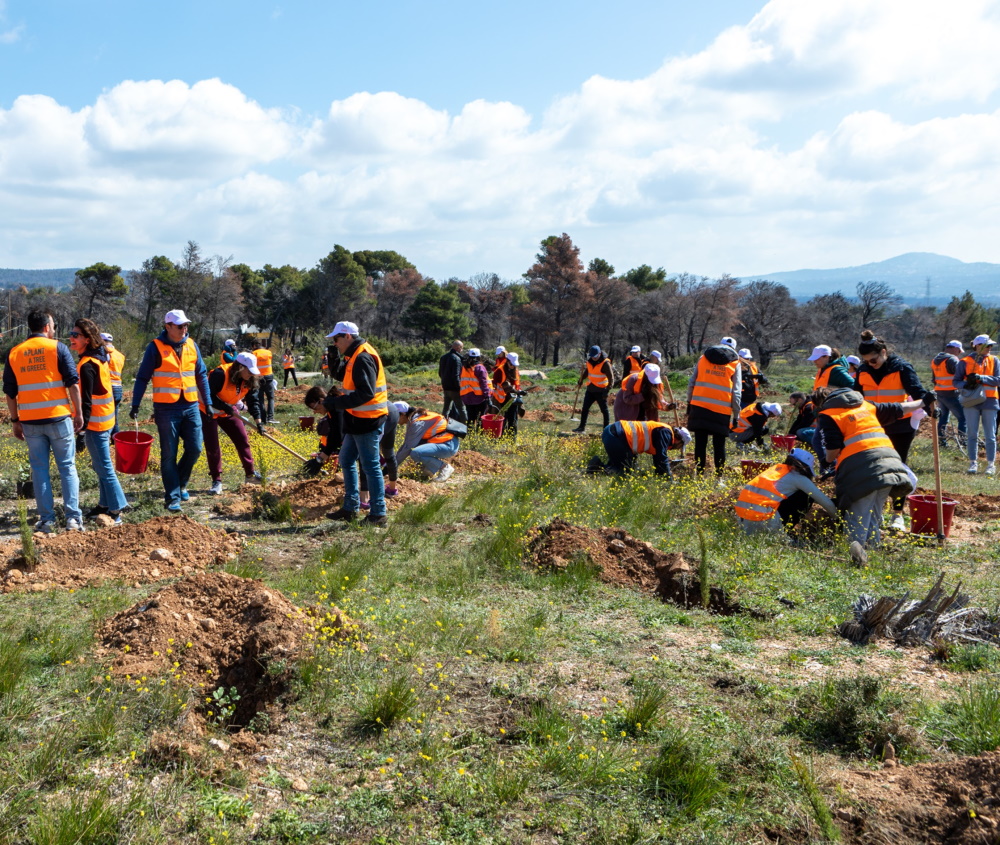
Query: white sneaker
{"type": "Point", "coordinates": [897, 523]}
{"type": "Point", "coordinates": [444, 474]}
{"type": "Point", "coordinates": [216, 488]}
{"type": "Point", "coordinates": [973, 468]}
{"type": "Point", "coordinates": [43, 527]}
{"type": "Point", "coordinates": [991, 469]}
{"type": "Point", "coordinates": [74, 525]}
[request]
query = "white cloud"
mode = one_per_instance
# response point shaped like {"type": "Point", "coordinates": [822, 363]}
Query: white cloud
{"type": "Point", "coordinates": [8, 36]}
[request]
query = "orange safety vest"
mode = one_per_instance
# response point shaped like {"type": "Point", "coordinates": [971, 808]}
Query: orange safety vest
{"type": "Point", "coordinates": [469, 383]}
{"type": "Point", "coordinates": [116, 363]}
{"type": "Point", "coordinates": [378, 405]}
{"type": "Point", "coordinates": [759, 500]}
{"type": "Point", "coordinates": [889, 390]}
{"type": "Point", "coordinates": [860, 428]}
{"type": "Point", "coordinates": [942, 378]}
{"type": "Point", "coordinates": [713, 386]}
{"type": "Point", "coordinates": [324, 366]}
{"type": "Point", "coordinates": [287, 361]}
{"type": "Point", "coordinates": [324, 439]}
{"type": "Point", "coordinates": [597, 375]}
{"type": "Point", "coordinates": [175, 377]}
{"type": "Point", "coordinates": [744, 421]}
{"type": "Point", "coordinates": [633, 364]}
{"type": "Point", "coordinates": [263, 357]}
{"type": "Point", "coordinates": [640, 435]}
{"type": "Point", "coordinates": [41, 394]}
{"type": "Point", "coordinates": [102, 408]}
{"type": "Point", "coordinates": [499, 394]}
{"type": "Point", "coordinates": [822, 378]}
{"type": "Point", "coordinates": [986, 368]}
{"type": "Point", "coordinates": [230, 393]}
{"type": "Point", "coordinates": [438, 434]}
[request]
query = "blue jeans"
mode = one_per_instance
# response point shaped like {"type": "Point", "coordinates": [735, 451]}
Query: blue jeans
{"type": "Point", "coordinates": [948, 405]}
{"type": "Point", "coordinates": [363, 448]}
{"type": "Point", "coordinates": [432, 456]}
{"type": "Point", "coordinates": [621, 458]}
{"type": "Point", "coordinates": [59, 439]}
{"type": "Point", "coordinates": [265, 397]}
{"type": "Point", "coordinates": [176, 422]}
{"type": "Point", "coordinates": [116, 393]}
{"type": "Point", "coordinates": [989, 418]}
{"type": "Point", "coordinates": [112, 495]}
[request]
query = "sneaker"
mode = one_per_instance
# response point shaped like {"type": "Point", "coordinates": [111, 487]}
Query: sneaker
{"type": "Point", "coordinates": [74, 525]}
{"type": "Point", "coordinates": [991, 469]}
{"type": "Point", "coordinates": [97, 510]}
{"type": "Point", "coordinates": [185, 495]}
{"type": "Point", "coordinates": [897, 523]}
{"type": "Point", "coordinates": [366, 506]}
{"type": "Point", "coordinates": [578, 430]}
{"type": "Point", "coordinates": [117, 517]}
{"type": "Point", "coordinates": [391, 492]}
{"type": "Point", "coordinates": [253, 478]}
{"type": "Point", "coordinates": [376, 521]}
{"type": "Point", "coordinates": [174, 508]}
{"type": "Point", "coordinates": [444, 474]}
{"type": "Point", "coordinates": [216, 488]}
{"type": "Point", "coordinates": [858, 553]}
{"type": "Point", "coordinates": [44, 527]}
{"type": "Point", "coordinates": [342, 515]}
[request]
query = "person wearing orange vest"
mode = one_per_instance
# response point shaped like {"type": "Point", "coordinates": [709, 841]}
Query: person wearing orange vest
{"type": "Point", "coordinates": [42, 389]}
{"type": "Point", "coordinates": [713, 397]}
{"type": "Point", "coordinates": [427, 441]}
{"type": "Point", "coordinates": [364, 400]}
{"type": "Point", "coordinates": [832, 368]}
{"type": "Point", "coordinates": [626, 440]}
{"type": "Point", "coordinates": [288, 365]}
{"type": "Point", "coordinates": [975, 370]}
{"type": "Point", "coordinates": [778, 498]}
{"type": "Point", "coordinates": [474, 386]}
{"type": "Point", "coordinates": [324, 366]}
{"type": "Point", "coordinates": [173, 364]}
{"type": "Point", "coordinates": [98, 404]}
{"type": "Point", "coordinates": [885, 377]}
{"type": "Point", "coordinates": [853, 362]}
{"type": "Point", "coordinates": [868, 468]}
{"type": "Point", "coordinates": [232, 388]}
{"type": "Point", "coordinates": [598, 374]}
{"type": "Point", "coordinates": [506, 385]}
{"type": "Point", "coordinates": [943, 368]}
{"type": "Point", "coordinates": [752, 423]}
{"type": "Point", "coordinates": [268, 383]}
{"type": "Point", "coordinates": [632, 363]}
{"type": "Point", "coordinates": [116, 363]}
{"type": "Point", "coordinates": [752, 376]}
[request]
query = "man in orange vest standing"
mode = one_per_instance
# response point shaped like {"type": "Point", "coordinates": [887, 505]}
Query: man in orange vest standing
{"type": "Point", "coordinates": [116, 365]}
{"type": "Point", "coordinates": [42, 388]}
{"type": "Point", "coordinates": [943, 367]}
{"type": "Point", "coordinates": [172, 362]}
{"type": "Point", "coordinates": [598, 373]}
{"type": "Point", "coordinates": [268, 383]}
{"type": "Point", "coordinates": [364, 400]}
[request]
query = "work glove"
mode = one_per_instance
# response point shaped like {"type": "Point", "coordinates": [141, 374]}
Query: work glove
{"type": "Point", "coordinates": [312, 468]}
{"type": "Point", "coordinates": [260, 426]}
{"type": "Point", "coordinates": [133, 414]}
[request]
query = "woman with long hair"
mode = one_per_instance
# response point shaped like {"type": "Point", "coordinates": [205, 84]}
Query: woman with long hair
{"type": "Point", "coordinates": [98, 404]}
{"type": "Point", "coordinates": [288, 365]}
{"type": "Point", "coordinates": [641, 396]}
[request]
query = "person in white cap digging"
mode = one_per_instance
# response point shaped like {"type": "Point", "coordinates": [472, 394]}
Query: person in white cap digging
{"type": "Point", "coordinates": [778, 498]}
{"type": "Point", "coordinates": [753, 420]}
{"type": "Point", "coordinates": [116, 366]}
{"type": "Point", "coordinates": [632, 363]}
{"type": "Point", "coordinates": [641, 396]}
{"type": "Point", "coordinates": [173, 363]}
{"type": "Point", "coordinates": [232, 388]}
{"type": "Point", "coordinates": [943, 367]}
{"type": "Point", "coordinates": [428, 441]}
{"type": "Point", "coordinates": [977, 379]}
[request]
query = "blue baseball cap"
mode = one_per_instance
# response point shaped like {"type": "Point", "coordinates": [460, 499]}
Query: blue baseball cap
{"type": "Point", "coordinates": [594, 351]}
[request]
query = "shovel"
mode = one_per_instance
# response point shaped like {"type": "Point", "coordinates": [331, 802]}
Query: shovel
{"type": "Point", "coordinates": [275, 440]}
{"type": "Point", "coordinates": [573, 415]}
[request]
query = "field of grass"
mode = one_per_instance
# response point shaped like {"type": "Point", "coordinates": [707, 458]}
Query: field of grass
{"type": "Point", "coordinates": [482, 700]}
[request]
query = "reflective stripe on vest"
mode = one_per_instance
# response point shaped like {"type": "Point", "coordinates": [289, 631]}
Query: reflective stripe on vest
{"type": "Point", "coordinates": [942, 378]}
{"type": "Point", "coordinates": [102, 408]}
{"type": "Point", "coordinates": [744, 421]}
{"type": "Point", "coordinates": [759, 500]}
{"type": "Point", "coordinates": [860, 428]}
{"type": "Point", "coordinates": [469, 383]}
{"type": "Point", "coordinates": [378, 405]}
{"type": "Point", "coordinates": [713, 386]}
{"type": "Point", "coordinates": [597, 375]}
{"type": "Point", "coordinates": [41, 394]}
{"type": "Point", "coordinates": [985, 368]}
{"type": "Point", "coordinates": [499, 394]}
{"type": "Point", "coordinates": [263, 357]}
{"type": "Point", "coordinates": [230, 393]}
{"type": "Point", "coordinates": [888, 391]}
{"type": "Point", "coordinates": [439, 433]}
{"type": "Point", "coordinates": [640, 435]}
{"type": "Point", "coordinates": [116, 363]}
{"type": "Point", "coordinates": [287, 361]}
{"type": "Point", "coordinates": [175, 378]}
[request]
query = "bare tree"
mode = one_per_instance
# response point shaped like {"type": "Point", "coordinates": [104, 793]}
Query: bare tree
{"type": "Point", "coordinates": [770, 319]}
{"type": "Point", "coordinates": [875, 299]}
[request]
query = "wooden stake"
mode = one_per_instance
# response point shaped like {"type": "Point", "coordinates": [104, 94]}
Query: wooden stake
{"type": "Point", "coordinates": [939, 498]}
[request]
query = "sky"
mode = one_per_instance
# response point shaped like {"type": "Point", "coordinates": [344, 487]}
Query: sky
{"type": "Point", "coordinates": [726, 137]}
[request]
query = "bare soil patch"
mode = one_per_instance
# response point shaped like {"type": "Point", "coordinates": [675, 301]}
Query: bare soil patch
{"type": "Point", "coordinates": [560, 408]}
{"type": "Point", "coordinates": [471, 462]}
{"type": "Point", "coordinates": [210, 630]}
{"type": "Point", "coordinates": [141, 553]}
{"type": "Point", "coordinates": [539, 416]}
{"type": "Point", "coordinates": [957, 803]}
{"type": "Point", "coordinates": [292, 394]}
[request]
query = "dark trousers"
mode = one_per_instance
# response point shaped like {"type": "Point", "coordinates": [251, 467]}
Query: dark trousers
{"type": "Point", "coordinates": [235, 431]}
{"type": "Point", "coordinates": [475, 412]}
{"type": "Point", "coordinates": [510, 419]}
{"type": "Point", "coordinates": [265, 397]}
{"type": "Point", "coordinates": [290, 371]}
{"type": "Point", "coordinates": [621, 458]}
{"type": "Point", "coordinates": [701, 450]}
{"type": "Point", "coordinates": [454, 407]}
{"type": "Point", "coordinates": [901, 442]}
{"type": "Point", "coordinates": [792, 509]}
{"type": "Point", "coordinates": [590, 396]}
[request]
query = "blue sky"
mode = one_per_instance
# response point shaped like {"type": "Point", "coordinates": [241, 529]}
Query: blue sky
{"type": "Point", "coordinates": [740, 137]}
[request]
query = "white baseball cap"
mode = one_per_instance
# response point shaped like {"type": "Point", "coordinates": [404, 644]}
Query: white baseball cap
{"type": "Point", "coordinates": [805, 456]}
{"type": "Point", "coordinates": [957, 344]}
{"type": "Point", "coordinates": [652, 373]}
{"type": "Point", "coordinates": [230, 344]}
{"type": "Point", "coordinates": [746, 353]}
{"type": "Point", "coordinates": [983, 338]}
{"type": "Point", "coordinates": [500, 350]}
{"type": "Point", "coordinates": [854, 359]}
{"type": "Point", "coordinates": [728, 341]}
{"type": "Point", "coordinates": [475, 353]}
{"type": "Point", "coordinates": [106, 337]}
{"type": "Point", "coordinates": [772, 409]}
{"type": "Point", "coordinates": [656, 354]}
{"type": "Point", "coordinates": [685, 435]}
{"type": "Point", "coordinates": [344, 327]}
{"type": "Point", "coordinates": [402, 407]}
{"type": "Point", "coordinates": [177, 318]}
{"type": "Point", "coordinates": [513, 357]}
{"type": "Point", "coordinates": [635, 349]}
{"type": "Point", "coordinates": [248, 360]}
{"type": "Point", "coordinates": [819, 351]}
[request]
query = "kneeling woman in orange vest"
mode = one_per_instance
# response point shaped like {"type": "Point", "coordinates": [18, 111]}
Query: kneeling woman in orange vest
{"type": "Point", "coordinates": [626, 440]}
{"type": "Point", "coordinates": [228, 386]}
{"type": "Point", "coordinates": [752, 424]}
{"type": "Point", "coordinates": [851, 434]}
{"type": "Point", "coordinates": [780, 496]}
{"type": "Point", "coordinates": [427, 441]}
{"type": "Point", "coordinates": [98, 405]}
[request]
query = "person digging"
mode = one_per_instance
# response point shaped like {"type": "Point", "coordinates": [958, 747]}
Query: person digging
{"type": "Point", "coordinates": [624, 441]}
{"type": "Point", "coordinates": [428, 441]}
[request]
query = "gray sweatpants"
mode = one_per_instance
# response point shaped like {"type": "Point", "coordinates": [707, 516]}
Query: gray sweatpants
{"type": "Point", "coordinates": [864, 518]}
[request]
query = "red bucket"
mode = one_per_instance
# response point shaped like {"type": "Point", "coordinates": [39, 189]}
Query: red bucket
{"type": "Point", "coordinates": [923, 513]}
{"type": "Point", "coordinates": [751, 469]}
{"type": "Point", "coordinates": [492, 424]}
{"type": "Point", "coordinates": [306, 423]}
{"type": "Point", "coordinates": [132, 451]}
{"type": "Point", "coordinates": [783, 442]}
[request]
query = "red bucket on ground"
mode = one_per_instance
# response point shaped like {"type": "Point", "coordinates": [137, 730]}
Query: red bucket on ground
{"type": "Point", "coordinates": [783, 442]}
{"type": "Point", "coordinates": [751, 469]}
{"type": "Point", "coordinates": [132, 451]}
{"type": "Point", "coordinates": [306, 423]}
{"type": "Point", "coordinates": [923, 514]}
{"type": "Point", "coordinates": [492, 424]}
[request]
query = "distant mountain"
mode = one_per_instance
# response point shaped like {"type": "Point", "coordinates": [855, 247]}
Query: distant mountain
{"type": "Point", "coordinates": [38, 278]}
{"type": "Point", "coordinates": [908, 274]}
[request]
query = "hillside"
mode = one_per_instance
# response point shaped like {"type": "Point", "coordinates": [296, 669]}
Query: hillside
{"type": "Point", "coordinates": [59, 278]}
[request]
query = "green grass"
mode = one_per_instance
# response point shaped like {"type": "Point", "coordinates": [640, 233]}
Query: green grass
{"type": "Point", "coordinates": [970, 724]}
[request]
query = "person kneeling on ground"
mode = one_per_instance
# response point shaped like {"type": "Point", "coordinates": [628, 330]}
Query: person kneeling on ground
{"type": "Point", "coordinates": [329, 429]}
{"type": "Point", "coordinates": [428, 441]}
{"type": "Point", "coordinates": [625, 440]}
{"type": "Point", "coordinates": [752, 423]}
{"type": "Point", "coordinates": [804, 425]}
{"type": "Point", "coordinates": [779, 497]}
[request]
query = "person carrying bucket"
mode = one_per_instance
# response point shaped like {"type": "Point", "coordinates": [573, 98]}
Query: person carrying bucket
{"type": "Point", "coordinates": [506, 386]}
{"type": "Point", "coordinates": [428, 441]}
{"type": "Point", "coordinates": [97, 402]}
{"type": "Point", "coordinates": [173, 363]}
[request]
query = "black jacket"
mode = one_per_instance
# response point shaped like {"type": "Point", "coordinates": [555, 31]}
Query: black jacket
{"type": "Point", "coordinates": [450, 370]}
{"type": "Point", "coordinates": [365, 373]}
{"type": "Point", "coordinates": [911, 384]}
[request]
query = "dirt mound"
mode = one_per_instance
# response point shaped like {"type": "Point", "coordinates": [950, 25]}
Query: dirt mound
{"type": "Point", "coordinates": [471, 462]}
{"type": "Point", "coordinates": [623, 560]}
{"type": "Point", "coordinates": [145, 552]}
{"type": "Point", "coordinates": [212, 631]}
{"type": "Point", "coordinates": [291, 395]}
{"type": "Point", "coordinates": [563, 388]}
{"type": "Point", "coordinates": [954, 803]}
{"type": "Point", "coordinates": [539, 416]}
{"type": "Point", "coordinates": [560, 408]}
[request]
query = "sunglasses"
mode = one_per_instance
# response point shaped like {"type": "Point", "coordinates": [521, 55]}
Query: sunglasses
{"type": "Point", "coordinates": [873, 359]}
{"type": "Point", "coordinates": [339, 336]}
{"type": "Point", "coordinates": [75, 334]}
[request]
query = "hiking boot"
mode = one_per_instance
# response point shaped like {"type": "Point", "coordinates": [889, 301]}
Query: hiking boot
{"type": "Point", "coordinates": [216, 488]}
{"type": "Point", "coordinates": [74, 525]}
{"type": "Point", "coordinates": [342, 515]}
{"type": "Point", "coordinates": [443, 474]}
{"type": "Point", "coordinates": [97, 510]}
{"type": "Point", "coordinates": [858, 553]}
{"type": "Point", "coordinates": [973, 468]}
{"type": "Point", "coordinates": [375, 521]}
{"type": "Point", "coordinates": [44, 527]}
{"type": "Point", "coordinates": [578, 430]}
